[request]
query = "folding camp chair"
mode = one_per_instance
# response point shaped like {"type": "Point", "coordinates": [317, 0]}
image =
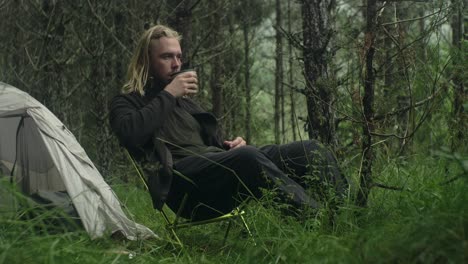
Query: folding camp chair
{"type": "Point", "coordinates": [175, 224]}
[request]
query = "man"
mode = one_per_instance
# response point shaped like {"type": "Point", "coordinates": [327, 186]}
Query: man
{"type": "Point", "coordinates": [169, 134]}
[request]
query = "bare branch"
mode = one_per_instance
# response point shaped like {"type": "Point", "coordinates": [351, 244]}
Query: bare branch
{"type": "Point", "coordinates": [295, 88]}
{"type": "Point", "coordinates": [201, 43]}
{"type": "Point", "coordinates": [291, 38]}
{"type": "Point", "coordinates": [99, 18]}
{"type": "Point", "coordinates": [393, 188]}
{"type": "Point", "coordinates": [30, 59]}
{"type": "Point", "coordinates": [414, 19]}
{"type": "Point", "coordinates": [422, 36]}
{"type": "Point", "coordinates": [4, 4]}
{"type": "Point", "coordinates": [194, 5]}
{"type": "Point", "coordinates": [407, 108]}
{"type": "Point", "coordinates": [389, 135]}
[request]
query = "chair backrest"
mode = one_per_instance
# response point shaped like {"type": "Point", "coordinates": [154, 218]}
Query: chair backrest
{"type": "Point", "coordinates": [174, 224]}
{"type": "Point", "coordinates": [142, 177]}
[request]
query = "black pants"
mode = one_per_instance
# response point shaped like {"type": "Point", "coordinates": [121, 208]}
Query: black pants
{"type": "Point", "coordinates": [220, 181]}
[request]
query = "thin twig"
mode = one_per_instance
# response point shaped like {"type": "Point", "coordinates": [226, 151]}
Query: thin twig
{"type": "Point", "coordinates": [4, 4]}
{"type": "Point", "coordinates": [99, 18]}
{"type": "Point", "coordinates": [413, 19]}
{"type": "Point", "coordinates": [293, 40]}
{"type": "Point", "coordinates": [452, 179]}
{"type": "Point", "coordinates": [194, 5]}
{"type": "Point", "coordinates": [406, 108]}
{"type": "Point", "coordinates": [30, 59]}
{"type": "Point", "coordinates": [383, 186]}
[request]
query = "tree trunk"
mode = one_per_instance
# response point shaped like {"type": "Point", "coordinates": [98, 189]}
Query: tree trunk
{"type": "Point", "coordinates": [182, 23]}
{"type": "Point", "coordinates": [319, 88]}
{"type": "Point", "coordinates": [365, 182]}
{"type": "Point", "coordinates": [248, 96]}
{"type": "Point", "coordinates": [460, 95]}
{"type": "Point", "coordinates": [422, 28]}
{"type": "Point", "coordinates": [389, 63]}
{"type": "Point", "coordinates": [278, 72]}
{"type": "Point", "coordinates": [404, 98]}
{"type": "Point", "coordinates": [218, 66]}
{"type": "Point", "coordinates": [99, 77]}
{"type": "Point", "coordinates": [56, 90]}
{"type": "Point", "coordinates": [291, 77]}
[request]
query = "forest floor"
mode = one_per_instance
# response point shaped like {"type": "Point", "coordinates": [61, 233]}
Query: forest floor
{"type": "Point", "coordinates": [427, 222]}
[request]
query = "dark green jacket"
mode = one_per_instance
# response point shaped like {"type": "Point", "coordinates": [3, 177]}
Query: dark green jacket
{"type": "Point", "coordinates": [137, 120]}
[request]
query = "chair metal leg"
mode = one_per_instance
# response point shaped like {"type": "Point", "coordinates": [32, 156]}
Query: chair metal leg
{"type": "Point", "coordinates": [176, 237]}
{"type": "Point", "coordinates": [173, 226]}
{"type": "Point", "coordinates": [227, 232]}
{"type": "Point", "coordinates": [170, 227]}
{"type": "Point", "coordinates": [179, 211]}
{"type": "Point", "coordinates": [244, 223]}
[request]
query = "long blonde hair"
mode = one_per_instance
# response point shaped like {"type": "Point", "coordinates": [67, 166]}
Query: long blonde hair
{"type": "Point", "coordinates": [139, 67]}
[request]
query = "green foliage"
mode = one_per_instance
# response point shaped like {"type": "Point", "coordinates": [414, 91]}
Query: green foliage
{"type": "Point", "coordinates": [425, 223]}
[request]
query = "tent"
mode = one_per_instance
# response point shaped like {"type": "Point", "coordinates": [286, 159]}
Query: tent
{"type": "Point", "coordinates": [42, 155]}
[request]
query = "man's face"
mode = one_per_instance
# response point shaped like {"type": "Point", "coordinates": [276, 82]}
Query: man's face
{"type": "Point", "coordinates": [165, 57]}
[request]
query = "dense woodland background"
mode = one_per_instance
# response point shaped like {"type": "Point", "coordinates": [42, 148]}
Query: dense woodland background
{"type": "Point", "coordinates": [364, 77]}
{"type": "Point", "coordinates": [379, 82]}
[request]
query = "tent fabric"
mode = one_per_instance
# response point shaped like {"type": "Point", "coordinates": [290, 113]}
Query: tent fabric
{"type": "Point", "coordinates": [45, 156]}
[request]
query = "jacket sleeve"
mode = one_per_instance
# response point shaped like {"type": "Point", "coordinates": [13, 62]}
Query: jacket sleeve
{"type": "Point", "coordinates": [133, 125]}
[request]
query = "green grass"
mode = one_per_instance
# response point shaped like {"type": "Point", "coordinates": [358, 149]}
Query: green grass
{"type": "Point", "coordinates": [425, 223]}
